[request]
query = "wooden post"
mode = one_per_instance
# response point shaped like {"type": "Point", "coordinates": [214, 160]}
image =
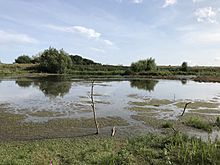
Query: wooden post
{"type": "Point", "coordinates": [113, 131]}
{"type": "Point", "coordinates": [93, 108]}
{"type": "Point", "coordinates": [185, 108]}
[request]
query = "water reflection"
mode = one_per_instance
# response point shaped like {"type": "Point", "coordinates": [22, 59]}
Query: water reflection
{"type": "Point", "coordinates": [147, 85]}
{"type": "Point", "coordinates": [23, 83]}
{"type": "Point", "coordinates": [53, 89]}
{"type": "Point", "coordinates": [52, 86]}
{"type": "Point", "coordinates": [184, 81]}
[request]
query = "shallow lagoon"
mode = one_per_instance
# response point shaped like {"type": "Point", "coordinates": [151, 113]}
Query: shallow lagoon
{"type": "Point", "coordinates": [41, 99]}
{"type": "Point", "coordinates": [60, 106]}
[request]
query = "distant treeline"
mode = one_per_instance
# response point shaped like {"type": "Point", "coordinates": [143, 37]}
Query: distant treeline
{"type": "Point", "coordinates": [60, 62]}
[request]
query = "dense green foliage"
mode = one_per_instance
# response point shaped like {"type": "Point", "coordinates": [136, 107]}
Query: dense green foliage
{"type": "Point", "coordinates": [24, 59]}
{"type": "Point", "coordinates": [78, 60]}
{"type": "Point", "coordinates": [176, 149]}
{"type": "Point", "coordinates": [184, 66]}
{"type": "Point", "coordinates": [54, 61]}
{"type": "Point", "coordinates": [144, 65]}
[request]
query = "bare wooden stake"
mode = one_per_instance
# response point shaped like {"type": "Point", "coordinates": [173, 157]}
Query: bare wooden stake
{"type": "Point", "coordinates": [93, 108]}
{"type": "Point", "coordinates": [185, 108]}
{"type": "Point", "coordinates": [113, 131]}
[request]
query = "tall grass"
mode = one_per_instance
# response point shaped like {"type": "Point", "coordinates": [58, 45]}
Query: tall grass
{"type": "Point", "coordinates": [149, 149]}
{"type": "Point", "coordinates": [199, 123]}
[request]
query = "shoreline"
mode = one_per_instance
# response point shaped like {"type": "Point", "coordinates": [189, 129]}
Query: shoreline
{"type": "Point", "coordinates": [115, 77]}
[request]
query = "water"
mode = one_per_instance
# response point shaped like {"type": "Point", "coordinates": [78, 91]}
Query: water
{"type": "Point", "coordinates": [70, 98]}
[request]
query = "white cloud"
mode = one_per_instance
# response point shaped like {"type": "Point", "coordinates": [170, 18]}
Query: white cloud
{"type": "Point", "coordinates": [88, 32]}
{"type": "Point", "coordinates": [206, 14]}
{"type": "Point", "coordinates": [202, 37]}
{"type": "Point", "coordinates": [18, 38]}
{"type": "Point", "coordinates": [168, 3]}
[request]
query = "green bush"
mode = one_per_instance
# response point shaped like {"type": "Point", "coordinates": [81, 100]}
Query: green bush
{"type": "Point", "coordinates": [54, 61]}
{"type": "Point", "coordinates": [184, 67]}
{"type": "Point", "coordinates": [144, 65]}
{"type": "Point", "coordinates": [24, 59]}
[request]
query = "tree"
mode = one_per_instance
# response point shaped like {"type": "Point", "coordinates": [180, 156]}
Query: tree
{"type": "Point", "coordinates": [24, 59]}
{"type": "Point", "coordinates": [184, 67]}
{"type": "Point", "coordinates": [54, 61]}
{"type": "Point", "coordinates": [78, 60]}
{"type": "Point", "coordinates": [144, 65]}
{"type": "Point", "coordinates": [36, 59]}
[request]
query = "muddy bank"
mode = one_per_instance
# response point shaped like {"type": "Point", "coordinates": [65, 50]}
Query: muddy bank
{"type": "Point", "coordinates": [207, 79]}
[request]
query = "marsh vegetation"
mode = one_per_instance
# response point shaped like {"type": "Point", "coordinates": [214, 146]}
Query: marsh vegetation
{"type": "Point", "coordinates": [53, 107]}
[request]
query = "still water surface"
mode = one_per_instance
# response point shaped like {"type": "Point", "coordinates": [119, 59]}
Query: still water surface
{"type": "Point", "coordinates": [69, 98]}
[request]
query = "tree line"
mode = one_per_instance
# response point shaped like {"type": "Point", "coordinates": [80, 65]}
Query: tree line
{"type": "Point", "coordinates": [52, 60]}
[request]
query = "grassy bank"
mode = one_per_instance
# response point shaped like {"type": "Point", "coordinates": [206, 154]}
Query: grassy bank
{"type": "Point", "coordinates": [201, 74]}
{"type": "Point", "coordinates": [148, 149]}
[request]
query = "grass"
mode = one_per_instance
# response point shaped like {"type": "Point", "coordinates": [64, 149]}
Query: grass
{"type": "Point", "coordinates": [196, 105]}
{"type": "Point", "coordinates": [45, 114]}
{"type": "Point", "coordinates": [151, 102]}
{"type": "Point", "coordinates": [217, 123]}
{"type": "Point", "coordinates": [143, 109]}
{"type": "Point", "coordinates": [167, 125]}
{"type": "Point", "coordinates": [149, 120]}
{"type": "Point", "coordinates": [206, 111]}
{"type": "Point", "coordinates": [6, 69]}
{"type": "Point", "coordinates": [205, 74]}
{"type": "Point", "coordinates": [199, 123]}
{"type": "Point", "coordinates": [148, 149]}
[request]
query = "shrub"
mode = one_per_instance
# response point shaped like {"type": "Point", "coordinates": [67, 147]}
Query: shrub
{"type": "Point", "coordinates": [184, 67]}
{"type": "Point", "coordinates": [24, 59]}
{"type": "Point", "coordinates": [144, 65]}
{"type": "Point", "coordinates": [54, 61]}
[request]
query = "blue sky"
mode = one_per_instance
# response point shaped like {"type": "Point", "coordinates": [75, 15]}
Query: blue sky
{"type": "Point", "coordinates": [113, 31]}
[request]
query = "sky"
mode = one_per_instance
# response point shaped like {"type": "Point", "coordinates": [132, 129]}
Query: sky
{"type": "Point", "coordinates": [115, 32]}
